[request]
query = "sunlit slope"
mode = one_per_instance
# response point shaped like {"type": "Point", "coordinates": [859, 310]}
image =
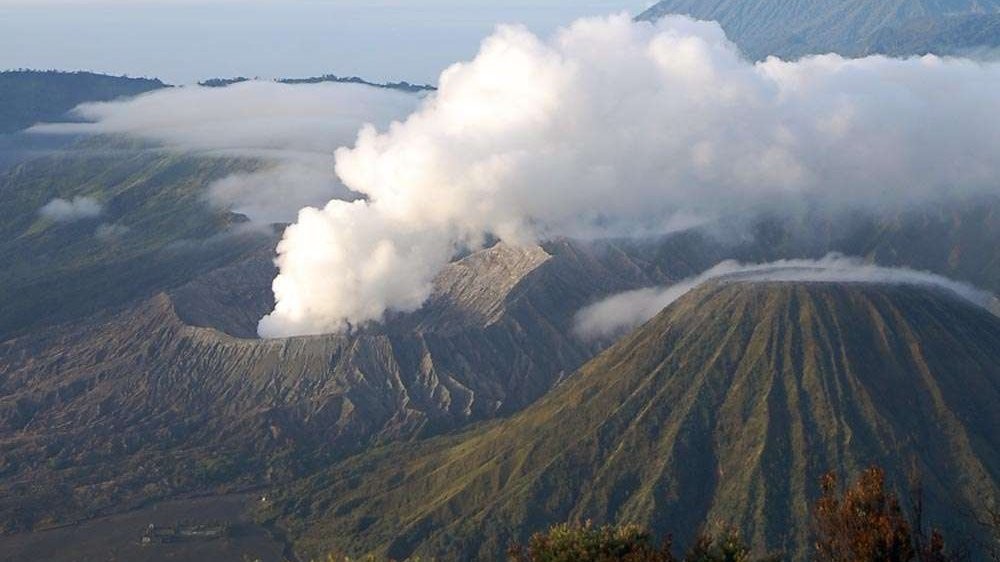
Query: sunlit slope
{"type": "Point", "coordinates": [725, 409]}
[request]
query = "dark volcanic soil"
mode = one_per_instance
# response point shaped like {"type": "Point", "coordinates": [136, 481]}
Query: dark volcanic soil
{"type": "Point", "coordinates": [117, 538]}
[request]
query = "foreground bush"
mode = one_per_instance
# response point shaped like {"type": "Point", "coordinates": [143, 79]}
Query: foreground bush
{"type": "Point", "coordinates": [866, 523]}
{"type": "Point", "coordinates": [587, 543]}
{"type": "Point", "coordinates": [863, 523]}
{"type": "Point", "coordinates": [626, 543]}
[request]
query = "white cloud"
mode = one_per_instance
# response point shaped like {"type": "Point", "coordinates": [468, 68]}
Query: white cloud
{"type": "Point", "coordinates": [624, 311]}
{"type": "Point", "coordinates": [276, 193]}
{"type": "Point", "coordinates": [109, 232]}
{"type": "Point", "coordinates": [295, 128]}
{"type": "Point", "coordinates": [70, 210]}
{"type": "Point", "coordinates": [614, 127]}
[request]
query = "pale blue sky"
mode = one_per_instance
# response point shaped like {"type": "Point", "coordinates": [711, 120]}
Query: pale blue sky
{"type": "Point", "coordinates": [184, 41]}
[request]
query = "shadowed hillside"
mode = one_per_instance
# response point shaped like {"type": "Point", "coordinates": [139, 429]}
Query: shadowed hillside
{"type": "Point", "coordinates": [130, 372]}
{"type": "Point", "coordinates": [961, 35]}
{"type": "Point", "coordinates": [155, 230]}
{"type": "Point", "coordinates": [725, 408]}
{"type": "Point", "coordinates": [230, 412]}
{"type": "Point", "coordinates": [32, 96]}
{"type": "Point", "coordinates": [102, 415]}
{"type": "Point", "coordinates": [793, 28]}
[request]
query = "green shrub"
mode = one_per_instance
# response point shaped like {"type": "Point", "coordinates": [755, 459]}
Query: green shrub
{"type": "Point", "coordinates": [588, 543]}
{"type": "Point", "coordinates": [626, 543]}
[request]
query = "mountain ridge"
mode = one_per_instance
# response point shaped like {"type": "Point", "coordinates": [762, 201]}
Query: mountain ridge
{"type": "Point", "coordinates": [959, 35]}
{"type": "Point", "coordinates": [726, 406]}
{"type": "Point", "coordinates": [794, 28]}
{"type": "Point", "coordinates": [242, 411]}
{"type": "Point", "coordinates": [33, 96]}
{"type": "Point", "coordinates": [224, 410]}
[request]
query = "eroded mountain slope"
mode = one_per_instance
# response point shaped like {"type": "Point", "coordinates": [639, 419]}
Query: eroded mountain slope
{"type": "Point", "coordinates": [147, 399]}
{"type": "Point", "coordinates": [144, 403]}
{"type": "Point", "coordinates": [724, 409]}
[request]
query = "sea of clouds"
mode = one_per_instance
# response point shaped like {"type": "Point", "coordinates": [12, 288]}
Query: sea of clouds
{"type": "Point", "coordinates": [292, 129]}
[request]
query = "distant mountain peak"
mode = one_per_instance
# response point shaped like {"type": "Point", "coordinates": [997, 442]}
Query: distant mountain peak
{"type": "Point", "coordinates": [793, 28]}
{"type": "Point", "coordinates": [402, 85]}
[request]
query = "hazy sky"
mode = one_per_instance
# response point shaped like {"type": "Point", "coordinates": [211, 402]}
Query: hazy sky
{"type": "Point", "coordinates": [184, 41]}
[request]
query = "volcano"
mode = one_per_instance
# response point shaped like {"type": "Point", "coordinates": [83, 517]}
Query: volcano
{"type": "Point", "coordinates": [722, 411]}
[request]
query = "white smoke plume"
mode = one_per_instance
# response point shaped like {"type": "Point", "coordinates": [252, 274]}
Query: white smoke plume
{"type": "Point", "coordinates": [294, 128]}
{"type": "Point", "coordinates": [617, 127]}
{"type": "Point", "coordinates": [624, 311]}
{"type": "Point", "coordinates": [71, 210]}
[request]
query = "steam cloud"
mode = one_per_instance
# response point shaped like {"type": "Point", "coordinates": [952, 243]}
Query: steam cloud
{"type": "Point", "coordinates": [614, 127]}
{"type": "Point", "coordinates": [624, 311]}
{"type": "Point", "coordinates": [294, 128]}
{"type": "Point", "coordinates": [70, 210]}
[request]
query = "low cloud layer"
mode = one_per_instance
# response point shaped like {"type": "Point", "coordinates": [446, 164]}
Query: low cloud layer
{"type": "Point", "coordinates": [614, 128]}
{"type": "Point", "coordinates": [293, 128]}
{"type": "Point", "coordinates": [625, 311]}
{"type": "Point", "coordinates": [71, 210]}
{"type": "Point", "coordinates": [276, 193]}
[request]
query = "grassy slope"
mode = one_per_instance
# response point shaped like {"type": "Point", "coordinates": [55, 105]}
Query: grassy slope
{"type": "Point", "coordinates": [725, 408]}
{"type": "Point", "coordinates": [167, 232]}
